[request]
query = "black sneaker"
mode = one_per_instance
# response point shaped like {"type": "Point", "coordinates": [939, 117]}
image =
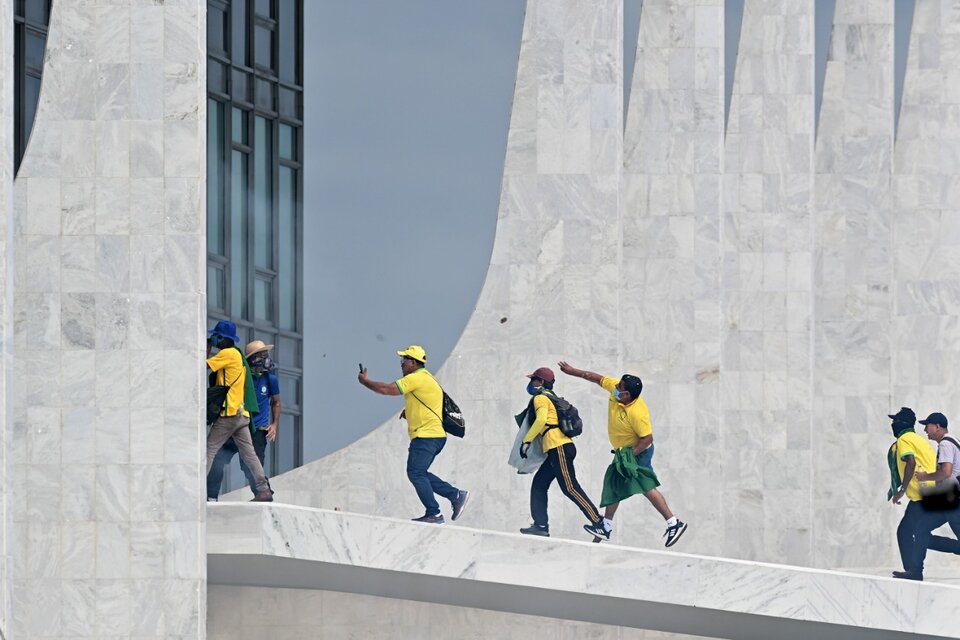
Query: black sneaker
{"type": "Point", "coordinates": [536, 530]}
{"type": "Point", "coordinates": [437, 519]}
{"type": "Point", "coordinates": [459, 504]}
{"type": "Point", "coordinates": [908, 575]}
{"type": "Point", "coordinates": [598, 530]}
{"type": "Point", "coordinates": [673, 533]}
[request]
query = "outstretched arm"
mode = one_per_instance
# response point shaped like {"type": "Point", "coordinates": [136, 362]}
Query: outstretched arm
{"type": "Point", "coordinates": [579, 373]}
{"type": "Point", "coordinates": [383, 388]}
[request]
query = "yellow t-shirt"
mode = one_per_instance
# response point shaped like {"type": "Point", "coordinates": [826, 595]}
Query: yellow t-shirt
{"type": "Point", "coordinates": [229, 367]}
{"type": "Point", "coordinates": [546, 416]}
{"type": "Point", "coordinates": [423, 414]}
{"type": "Point", "coordinates": [913, 443]}
{"type": "Point", "coordinates": [626, 423]}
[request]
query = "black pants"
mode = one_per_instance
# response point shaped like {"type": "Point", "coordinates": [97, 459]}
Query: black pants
{"type": "Point", "coordinates": [906, 534]}
{"type": "Point", "coordinates": [924, 538]}
{"type": "Point", "coordinates": [559, 466]}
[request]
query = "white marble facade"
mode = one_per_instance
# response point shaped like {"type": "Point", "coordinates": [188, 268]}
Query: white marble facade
{"type": "Point", "coordinates": [6, 314]}
{"type": "Point", "coordinates": [772, 289]}
{"type": "Point", "coordinates": [109, 318]}
{"type": "Point", "coordinates": [778, 292]}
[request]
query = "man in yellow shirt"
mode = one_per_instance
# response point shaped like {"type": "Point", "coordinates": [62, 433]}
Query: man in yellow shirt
{"type": "Point", "coordinates": [912, 454]}
{"type": "Point", "coordinates": [234, 419]}
{"type": "Point", "coordinates": [560, 452]}
{"type": "Point", "coordinates": [628, 425]}
{"type": "Point", "coordinates": [423, 407]}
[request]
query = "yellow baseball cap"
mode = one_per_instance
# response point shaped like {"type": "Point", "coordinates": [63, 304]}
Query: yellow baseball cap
{"type": "Point", "coordinates": [414, 351]}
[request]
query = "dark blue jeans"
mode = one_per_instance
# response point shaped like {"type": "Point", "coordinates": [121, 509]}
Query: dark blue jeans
{"type": "Point", "coordinates": [420, 456]}
{"type": "Point", "coordinates": [924, 538]}
{"type": "Point", "coordinates": [907, 535]}
{"type": "Point", "coordinates": [223, 458]}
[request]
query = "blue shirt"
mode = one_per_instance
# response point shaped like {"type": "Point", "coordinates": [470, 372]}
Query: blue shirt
{"type": "Point", "coordinates": [265, 385]}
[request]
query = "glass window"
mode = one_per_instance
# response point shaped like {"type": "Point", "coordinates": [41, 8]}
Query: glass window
{"type": "Point", "coordinates": [265, 95]}
{"type": "Point", "coordinates": [288, 142]}
{"type": "Point", "coordinates": [263, 297]}
{"type": "Point", "coordinates": [36, 44]}
{"type": "Point", "coordinates": [216, 29]}
{"type": "Point", "coordinates": [216, 76]}
{"type": "Point", "coordinates": [288, 249]}
{"type": "Point", "coordinates": [37, 11]}
{"type": "Point", "coordinates": [289, 103]}
{"type": "Point", "coordinates": [239, 129]}
{"type": "Point", "coordinates": [263, 188]}
{"type": "Point", "coordinates": [215, 194]}
{"type": "Point", "coordinates": [238, 32]}
{"type": "Point", "coordinates": [238, 235]}
{"type": "Point", "coordinates": [216, 288]}
{"type": "Point", "coordinates": [31, 96]}
{"type": "Point", "coordinates": [241, 86]}
{"type": "Point", "coordinates": [263, 46]}
{"type": "Point", "coordinates": [264, 8]}
{"type": "Point", "coordinates": [290, 388]}
{"type": "Point", "coordinates": [288, 352]}
{"type": "Point", "coordinates": [286, 441]}
{"type": "Point", "coordinates": [289, 44]}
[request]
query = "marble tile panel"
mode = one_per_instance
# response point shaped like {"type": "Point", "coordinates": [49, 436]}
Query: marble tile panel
{"type": "Point", "coordinates": [146, 148]}
{"type": "Point", "coordinates": [77, 139]}
{"type": "Point", "coordinates": [146, 495]}
{"type": "Point", "coordinates": [110, 383]}
{"type": "Point", "coordinates": [146, 91]}
{"type": "Point", "coordinates": [42, 274]}
{"type": "Point", "coordinates": [181, 498]}
{"type": "Point", "coordinates": [113, 147]}
{"type": "Point", "coordinates": [112, 494]}
{"type": "Point", "coordinates": [78, 428]}
{"type": "Point", "coordinates": [180, 33]}
{"type": "Point", "coordinates": [112, 43]}
{"type": "Point", "coordinates": [181, 98]}
{"type": "Point", "coordinates": [113, 206]}
{"type": "Point", "coordinates": [44, 483]}
{"type": "Point", "coordinates": [182, 436]}
{"type": "Point", "coordinates": [43, 198]}
{"type": "Point", "coordinates": [144, 395]}
{"type": "Point", "coordinates": [146, 21]}
{"type": "Point", "coordinates": [77, 378]}
{"type": "Point", "coordinates": [77, 207]}
{"type": "Point", "coordinates": [182, 272]}
{"type": "Point", "coordinates": [183, 213]}
{"type": "Point", "coordinates": [112, 321]}
{"type": "Point", "coordinates": [112, 607]}
{"type": "Point", "coordinates": [43, 550]}
{"type": "Point", "coordinates": [182, 605]}
{"type": "Point", "coordinates": [77, 271]}
{"type": "Point", "coordinates": [112, 263]}
{"type": "Point", "coordinates": [181, 559]}
{"type": "Point", "coordinates": [77, 494]}
{"type": "Point", "coordinates": [513, 564]}
{"type": "Point", "coordinates": [177, 136]}
{"type": "Point", "coordinates": [79, 618]}
{"type": "Point", "coordinates": [80, 79]}
{"type": "Point", "coordinates": [39, 606]}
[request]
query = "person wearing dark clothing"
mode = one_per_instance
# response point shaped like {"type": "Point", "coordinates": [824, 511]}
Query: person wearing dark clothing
{"type": "Point", "coordinates": [561, 453]}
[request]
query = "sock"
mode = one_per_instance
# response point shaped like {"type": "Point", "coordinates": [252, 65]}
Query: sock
{"type": "Point", "coordinates": [672, 521]}
{"type": "Point", "coordinates": [608, 524]}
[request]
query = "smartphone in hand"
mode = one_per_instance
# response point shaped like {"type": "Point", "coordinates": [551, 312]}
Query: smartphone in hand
{"type": "Point", "coordinates": [361, 367]}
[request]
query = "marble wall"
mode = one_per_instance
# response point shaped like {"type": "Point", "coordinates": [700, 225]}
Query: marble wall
{"type": "Point", "coordinates": [109, 315]}
{"type": "Point", "coordinates": [780, 288]}
{"type": "Point", "coordinates": [766, 288]}
{"type": "Point", "coordinates": [6, 313]}
{"type": "Point", "coordinates": [291, 614]}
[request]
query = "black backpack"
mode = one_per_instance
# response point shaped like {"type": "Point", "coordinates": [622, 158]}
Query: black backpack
{"type": "Point", "coordinates": [451, 418]}
{"type": "Point", "coordinates": [567, 415]}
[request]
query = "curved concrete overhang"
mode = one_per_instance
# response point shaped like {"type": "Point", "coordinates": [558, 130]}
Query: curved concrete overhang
{"type": "Point", "coordinates": [285, 546]}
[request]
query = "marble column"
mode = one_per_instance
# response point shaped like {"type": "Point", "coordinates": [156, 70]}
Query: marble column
{"type": "Point", "coordinates": [854, 276]}
{"type": "Point", "coordinates": [767, 288]}
{"type": "Point", "coordinates": [670, 274]}
{"type": "Point", "coordinates": [6, 312]}
{"type": "Point", "coordinates": [109, 328]}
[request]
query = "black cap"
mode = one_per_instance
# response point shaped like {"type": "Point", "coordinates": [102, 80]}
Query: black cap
{"type": "Point", "coordinates": [905, 414]}
{"type": "Point", "coordinates": [936, 418]}
{"type": "Point", "coordinates": [632, 385]}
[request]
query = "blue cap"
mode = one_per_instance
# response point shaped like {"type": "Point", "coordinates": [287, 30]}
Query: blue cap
{"type": "Point", "coordinates": [226, 329]}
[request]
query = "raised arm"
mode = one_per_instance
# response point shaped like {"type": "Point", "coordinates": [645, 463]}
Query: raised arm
{"type": "Point", "coordinates": [579, 373]}
{"type": "Point", "coordinates": [383, 388]}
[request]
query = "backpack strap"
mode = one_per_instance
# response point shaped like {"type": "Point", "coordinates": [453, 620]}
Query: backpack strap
{"type": "Point", "coordinates": [952, 441]}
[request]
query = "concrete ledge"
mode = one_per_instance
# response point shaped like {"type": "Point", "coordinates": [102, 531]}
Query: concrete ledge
{"type": "Point", "coordinates": [298, 547]}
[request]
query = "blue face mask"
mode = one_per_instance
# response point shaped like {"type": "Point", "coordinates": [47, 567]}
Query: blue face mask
{"type": "Point", "coordinates": [532, 390]}
{"type": "Point", "coordinates": [616, 393]}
